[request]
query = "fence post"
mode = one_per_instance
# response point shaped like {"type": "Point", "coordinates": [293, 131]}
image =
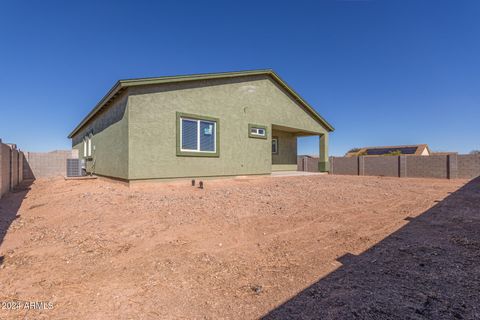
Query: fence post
{"type": "Point", "coordinates": [402, 166]}
{"type": "Point", "coordinates": [452, 166]}
{"type": "Point", "coordinates": [361, 165]}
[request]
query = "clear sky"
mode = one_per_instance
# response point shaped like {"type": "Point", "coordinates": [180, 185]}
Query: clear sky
{"type": "Point", "coordinates": [382, 72]}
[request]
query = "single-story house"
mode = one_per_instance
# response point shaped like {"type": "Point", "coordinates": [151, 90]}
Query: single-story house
{"type": "Point", "coordinates": [219, 124]}
{"type": "Point", "coordinates": [413, 150]}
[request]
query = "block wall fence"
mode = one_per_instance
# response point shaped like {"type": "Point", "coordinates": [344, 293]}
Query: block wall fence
{"type": "Point", "coordinates": [16, 166]}
{"type": "Point", "coordinates": [11, 167]}
{"type": "Point", "coordinates": [47, 164]}
{"type": "Point", "coordinates": [307, 163]}
{"type": "Point", "coordinates": [451, 166]}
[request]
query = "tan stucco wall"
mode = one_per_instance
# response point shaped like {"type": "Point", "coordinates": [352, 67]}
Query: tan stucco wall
{"type": "Point", "coordinates": [110, 140]}
{"type": "Point", "coordinates": [236, 102]}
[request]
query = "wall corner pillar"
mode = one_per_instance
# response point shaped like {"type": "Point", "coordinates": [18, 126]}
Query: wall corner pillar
{"type": "Point", "coordinates": [452, 166]}
{"type": "Point", "coordinates": [361, 165]}
{"type": "Point", "coordinates": [323, 163]}
{"type": "Point", "coordinates": [402, 166]}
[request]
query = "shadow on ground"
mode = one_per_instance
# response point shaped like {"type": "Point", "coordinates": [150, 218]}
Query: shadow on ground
{"type": "Point", "coordinates": [9, 205]}
{"type": "Point", "coordinates": [429, 269]}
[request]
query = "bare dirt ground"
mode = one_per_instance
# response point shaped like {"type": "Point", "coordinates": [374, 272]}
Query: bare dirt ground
{"type": "Point", "coordinates": [324, 247]}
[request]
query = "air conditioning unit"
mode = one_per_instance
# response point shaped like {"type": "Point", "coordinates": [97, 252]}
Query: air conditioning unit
{"type": "Point", "coordinates": [75, 167]}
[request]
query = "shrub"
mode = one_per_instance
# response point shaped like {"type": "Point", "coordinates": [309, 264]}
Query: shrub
{"type": "Point", "coordinates": [394, 153]}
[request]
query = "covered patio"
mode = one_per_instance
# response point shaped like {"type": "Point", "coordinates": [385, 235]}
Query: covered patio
{"type": "Point", "coordinates": [284, 148]}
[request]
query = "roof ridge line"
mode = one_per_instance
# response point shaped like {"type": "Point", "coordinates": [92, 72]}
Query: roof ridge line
{"type": "Point", "coordinates": [121, 84]}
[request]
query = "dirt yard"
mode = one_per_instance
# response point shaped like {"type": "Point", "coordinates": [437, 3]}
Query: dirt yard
{"type": "Point", "coordinates": [325, 247]}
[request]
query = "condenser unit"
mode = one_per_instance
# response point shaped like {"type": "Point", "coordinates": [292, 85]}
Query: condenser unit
{"type": "Point", "coordinates": [75, 167]}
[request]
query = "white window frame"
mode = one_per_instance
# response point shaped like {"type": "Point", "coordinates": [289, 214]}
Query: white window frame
{"type": "Point", "coordinates": [198, 135]}
{"type": "Point", "coordinates": [276, 145]}
{"type": "Point", "coordinates": [254, 131]}
{"type": "Point", "coordinates": [85, 147]}
{"type": "Point", "coordinates": [89, 145]}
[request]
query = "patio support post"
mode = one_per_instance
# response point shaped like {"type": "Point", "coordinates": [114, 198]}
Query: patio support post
{"type": "Point", "coordinates": [323, 164]}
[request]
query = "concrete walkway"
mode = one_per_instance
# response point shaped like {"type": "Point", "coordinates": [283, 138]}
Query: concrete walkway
{"type": "Point", "coordinates": [295, 173]}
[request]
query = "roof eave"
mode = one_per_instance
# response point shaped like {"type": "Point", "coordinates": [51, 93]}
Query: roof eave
{"type": "Point", "coordinates": [324, 122]}
{"type": "Point", "coordinates": [146, 81]}
{"type": "Point", "coordinates": [111, 93]}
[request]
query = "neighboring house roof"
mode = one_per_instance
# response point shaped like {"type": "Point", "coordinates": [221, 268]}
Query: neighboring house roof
{"type": "Point", "coordinates": [122, 84]}
{"type": "Point", "coordinates": [414, 150]}
{"type": "Point", "coordinates": [307, 156]}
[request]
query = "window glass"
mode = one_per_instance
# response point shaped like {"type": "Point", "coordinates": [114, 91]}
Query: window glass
{"type": "Point", "coordinates": [189, 134]}
{"type": "Point", "coordinates": [207, 136]}
{"type": "Point", "coordinates": [274, 145]}
{"type": "Point", "coordinates": [257, 131]}
{"type": "Point", "coordinates": [198, 135]}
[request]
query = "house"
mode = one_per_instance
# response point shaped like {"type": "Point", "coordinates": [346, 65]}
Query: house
{"type": "Point", "coordinates": [413, 150]}
{"type": "Point", "coordinates": [219, 124]}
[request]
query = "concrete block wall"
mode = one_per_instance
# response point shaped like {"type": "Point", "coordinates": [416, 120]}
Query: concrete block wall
{"type": "Point", "coordinates": [4, 169]}
{"type": "Point", "coordinates": [14, 167]}
{"type": "Point", "coordinates": [427, 166]}
{"type": "Point", "coordinates": [307, 163]}
{"type": "Point", "coordinates": [47, 164]}
{"type": "Point", "coordinates": [344, 165]}
{"type": "Point", "coordinates": [468, 165]}
{"type": "Point", "coordinates": [381, 166]}
{"type": "Point", "coordinates": [402, 166]}
{"type": "Point", "coordinates": [442, 166]}
{"type": "Point", "coordinates": [11, 173]}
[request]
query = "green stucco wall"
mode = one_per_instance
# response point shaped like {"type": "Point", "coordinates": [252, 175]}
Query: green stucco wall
{"type": "Point", "coordinates": [236, 102]}
{"type": "Point", "coordinates": [109, 141]}
{"type": "Point", "coordinates": [287, 148]}
{"type": "Point", "coordinates": [286, 157]}
{"type": "Point", "coordinates": [135, 137]}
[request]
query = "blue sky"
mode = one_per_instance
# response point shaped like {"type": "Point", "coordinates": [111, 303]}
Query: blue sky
{"type": "Point", "coordinates": [382, 72]}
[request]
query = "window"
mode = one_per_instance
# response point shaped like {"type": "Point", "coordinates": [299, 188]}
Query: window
{"type": "Point", "coordinates": [197, 136]}
{"type": "Point", "coordinates": [275, 145]}
{"type": "Point", "coordinates": [257, 131]}
{"type": "Point", "coordinates": [87, 145]}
